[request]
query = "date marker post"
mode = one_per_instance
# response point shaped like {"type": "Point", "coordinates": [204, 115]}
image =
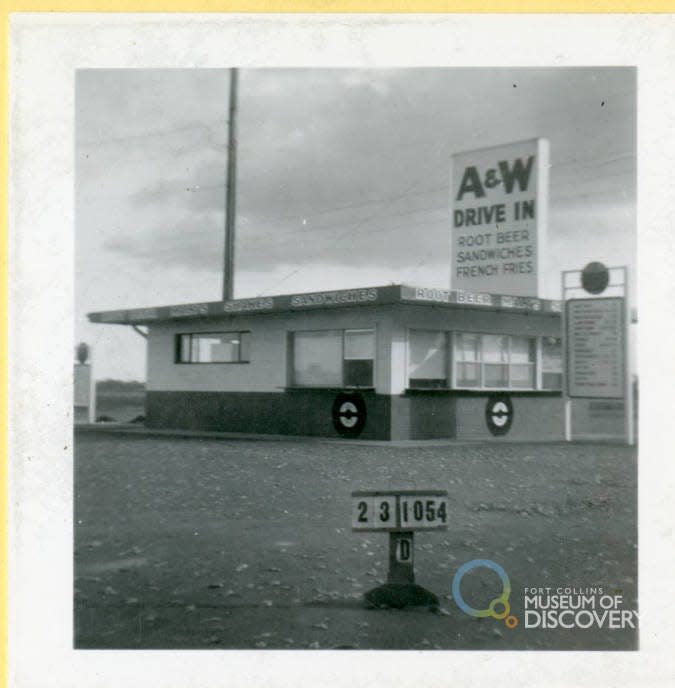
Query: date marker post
{"type": "Point", "coordinates": [400, 513]}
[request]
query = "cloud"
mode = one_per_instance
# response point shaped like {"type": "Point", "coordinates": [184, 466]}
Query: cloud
{"type": "Point", "coordinates": [194, 243]}
{"type": "Point", "coordinates": [336, 167]}
{"type": "Point", "coordinates": [199, 190]}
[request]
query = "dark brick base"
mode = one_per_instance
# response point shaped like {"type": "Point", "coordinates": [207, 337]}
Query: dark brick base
{"type": "Point", "coordinates": [293, 412]}
{"type": "Point", "coordinates": [414, 415]}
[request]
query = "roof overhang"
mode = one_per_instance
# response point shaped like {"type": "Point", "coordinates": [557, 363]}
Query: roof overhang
{"type": "Point", "coordinates": [328, 300]}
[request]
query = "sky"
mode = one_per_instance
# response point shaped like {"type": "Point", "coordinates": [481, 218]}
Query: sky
{"type": "Point", "coordinates": [342, 180]}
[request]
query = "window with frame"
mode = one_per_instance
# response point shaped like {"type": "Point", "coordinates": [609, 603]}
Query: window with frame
{"type": "Point", "coordinates": [427, 359]}
{"type": "Point", "coordinates": [551, 363]}
{"type": "Point", "coordinates": [213, 347]}
{"type": "Point", "coordinates": [467, 360]}
{"type": "Point", "coordinates": [334, 358]}
{"type": "Point", "coordinates": [478, 361]}
{"type": "Point", "coordinates": [495, 361]}
{"type": "Point", "coordinates": [522, 363]}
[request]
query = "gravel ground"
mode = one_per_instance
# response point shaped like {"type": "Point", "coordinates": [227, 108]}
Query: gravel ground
{"type": "Point", "coordinates": [203, 543]}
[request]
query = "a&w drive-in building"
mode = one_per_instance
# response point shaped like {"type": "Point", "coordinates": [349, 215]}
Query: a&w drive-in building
{"type": "Point", "coordinates": [481, 360]}
{"type": "Point", "coordinates": [386, 363]}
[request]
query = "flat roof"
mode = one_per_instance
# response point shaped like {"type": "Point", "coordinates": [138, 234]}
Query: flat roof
{"type": "Point", "coordinates": [328, 300]}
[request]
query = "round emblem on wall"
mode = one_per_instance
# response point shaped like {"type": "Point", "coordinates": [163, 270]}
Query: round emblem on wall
{"type": "Point", "coordinates": [499, 414]}
{"type": "Point", "coordinates": [349, 414]}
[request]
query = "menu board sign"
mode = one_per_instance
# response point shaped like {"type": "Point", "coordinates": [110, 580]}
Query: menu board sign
{"type": "Point", "coordinates": [595, 333]}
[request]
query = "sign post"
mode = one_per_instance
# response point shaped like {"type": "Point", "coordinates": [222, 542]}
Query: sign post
{"type": "Point", "coordinates": [400, 513]}
{"type": "Point", "coordinates": [401, 558]}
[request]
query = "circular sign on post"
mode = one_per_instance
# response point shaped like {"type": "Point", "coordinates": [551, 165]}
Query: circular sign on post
{"type": "Point", "coordinates": [349, 414]}
{"type": "Point", "coordinates": [595, 278]}
{"type": "Point", "coordinates": [499, 414]}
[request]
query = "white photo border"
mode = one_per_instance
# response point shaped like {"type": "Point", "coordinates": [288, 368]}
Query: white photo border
{"type": "Point", "coordinates": [45, 51]}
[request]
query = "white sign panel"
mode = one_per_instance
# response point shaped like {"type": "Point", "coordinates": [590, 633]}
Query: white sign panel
{"type": "Point", "coordinates": [595, 348]}
{"type": "Point", "coordinates": [405, 510]}
{"type": "Point", "coordinates": [424, 512]}
{"type": "Point", "coordinates": [374, 512]}
{"type": "Point", "coordinates": [499, 214]}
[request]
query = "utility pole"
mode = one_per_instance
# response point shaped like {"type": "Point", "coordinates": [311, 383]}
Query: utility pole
{"type": "Point", "coordinates": [231, 192]}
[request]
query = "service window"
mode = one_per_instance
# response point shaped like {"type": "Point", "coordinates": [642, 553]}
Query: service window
{"type": "Point", "coordinates": [427, 356]}
{"type": "Point", "coordinates": [317, 359]}
{"type": "Point", "coordinates": [482, 361]}
{"type": "Point", "coordinates": [467, 356]}
{"type": "Point", "coordinates": [359, 358]}
{"type": "Point", "coordinates": [494, 361]}
{"type": "Point", "coordinates": [213, 347]}
{"type": "Point", "coordinates": [334, 358]}
{"type": "Point", "coordinates": [523, 354]}
{"type": "Point", "coordinates": [551, 363]}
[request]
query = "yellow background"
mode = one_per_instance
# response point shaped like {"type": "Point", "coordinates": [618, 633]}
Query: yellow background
{"type": "Point", "coordinates": [353, 6]}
